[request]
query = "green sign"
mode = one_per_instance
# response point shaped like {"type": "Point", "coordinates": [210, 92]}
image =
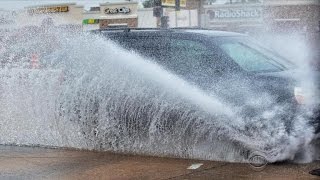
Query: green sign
{"type": "Point", "coordinates": [90, 21]}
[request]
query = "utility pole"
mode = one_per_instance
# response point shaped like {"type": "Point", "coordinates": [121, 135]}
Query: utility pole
{"type": "Point", "coordinates": [162, 21]}
{"type": "Point", "coordinates": [158, 11]}
{"type": "Point", "coordinates": [177, 3]}
{"type": "Point", "coordinates": [177, 8]}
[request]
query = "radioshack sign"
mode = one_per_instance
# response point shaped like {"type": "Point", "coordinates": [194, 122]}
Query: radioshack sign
{"type": "Point", "coordinates": [235, 13]}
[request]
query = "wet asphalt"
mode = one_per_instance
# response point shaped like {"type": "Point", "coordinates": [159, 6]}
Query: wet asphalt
{"type": "Point", "coordinates": [49, 163]}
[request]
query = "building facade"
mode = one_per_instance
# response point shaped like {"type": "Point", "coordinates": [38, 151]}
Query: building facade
{"type": "Point", "coordinates": [73, 15]}
{"type": "Point", "coordinates": [286, 19]}
{"type": "Point", "coordinates": [112, 14]}
{"type": "Point", "coordinates": [63, 14]}
{"type": "Point", "coordinates": [269, 15]}
{"type": "Point", "coordinates": [7, 18]}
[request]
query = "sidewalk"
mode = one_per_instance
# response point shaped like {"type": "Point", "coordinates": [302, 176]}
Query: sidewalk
{"type": "Point", "coordinates": [40, 163]}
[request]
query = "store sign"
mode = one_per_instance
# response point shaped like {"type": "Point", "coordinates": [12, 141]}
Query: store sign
{"type": "Point", "coordinates": [235, 13]}
{"type": "Point", "coordinates": [172, 3]}
{"type": "Point", "coordinates": [44, 10]}
{"type": "Point", "coordinates": [123, 10]}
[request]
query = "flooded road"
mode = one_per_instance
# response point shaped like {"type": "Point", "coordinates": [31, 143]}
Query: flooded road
{"type": "Point", "coordinates": [43, 163]}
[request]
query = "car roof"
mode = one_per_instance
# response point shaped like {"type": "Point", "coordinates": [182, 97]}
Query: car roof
{"type": "Point", "coordinates": [214, 33]}
{"type": "Point", "coordinates": [206, 32]}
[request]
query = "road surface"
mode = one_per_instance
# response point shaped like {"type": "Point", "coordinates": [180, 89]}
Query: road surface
{"type": "Point", "coordinates": [43, 163]}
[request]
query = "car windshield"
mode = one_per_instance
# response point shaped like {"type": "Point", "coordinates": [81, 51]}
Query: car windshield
{"type": "Point", "coordinates": [252, 57]}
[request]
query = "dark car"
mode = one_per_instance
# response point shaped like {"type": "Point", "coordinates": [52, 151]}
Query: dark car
{"type": "Point", "coordinates": [231, 65]}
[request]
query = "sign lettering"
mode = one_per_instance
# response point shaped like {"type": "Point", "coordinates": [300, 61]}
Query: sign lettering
{"type": "Point", "coordinates": [123, 10]}
{"type": "Point", "coordinates": [235, 13]}
{"type": "Point", "coordinates": [43, 10]}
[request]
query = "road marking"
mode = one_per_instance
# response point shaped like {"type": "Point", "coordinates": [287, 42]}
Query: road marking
{"type": "Point", "coordinates": [195, 166]}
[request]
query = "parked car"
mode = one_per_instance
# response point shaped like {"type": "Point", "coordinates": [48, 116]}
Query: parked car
{"type": "Point", "coordinates": [231, 65]}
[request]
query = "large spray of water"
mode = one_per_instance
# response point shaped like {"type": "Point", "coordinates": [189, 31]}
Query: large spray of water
{"type": "Point", "coordinates": [115, 100]}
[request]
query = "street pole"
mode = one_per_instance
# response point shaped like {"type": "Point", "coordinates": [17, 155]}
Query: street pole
{"type": "Point", "coordinates": [177, 8]}
{"type": "Point", "coordinates": [200, 13]}
{"type": "Point", "coordinates": [158, 11]}
{"type": "Point", "coordinates": [176, 17]}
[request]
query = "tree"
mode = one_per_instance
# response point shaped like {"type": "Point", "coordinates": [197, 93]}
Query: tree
{"type": "Point", "coordinates": [211, 1]}
{"type": "Point", "coordinates": [148, 3]}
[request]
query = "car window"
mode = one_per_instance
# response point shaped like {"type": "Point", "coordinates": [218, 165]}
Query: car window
{"type": "Point", "coordinates": [189, 57]}
{"type": "Point", "coordinates": [148, 46]}
{"type": "Point", "coordinates": [268, 52]}
{"type": "Point", "coordinates": [249, 59]}
{"type": "Point", "coordinates": [192, 59]}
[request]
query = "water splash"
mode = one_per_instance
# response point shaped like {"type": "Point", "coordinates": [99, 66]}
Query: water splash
{"type": "Point", "coordinates": [116, 100]}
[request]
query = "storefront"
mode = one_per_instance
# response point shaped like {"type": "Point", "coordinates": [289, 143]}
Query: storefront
{"type": "Point", "coordinates": [269, 15]}
{"type": "Point", "coordinates": [267, 18]}
{"type": "Point", "coordinates": [65, 14]}
{"type": "Point", "coordinates": [294, 15]}
{"type": "Point", "coordinates": [234, 17]}
{"type": "Point", "coordinates": [112, 14]}
{"type": "Point", "coordinates": [117, 14]}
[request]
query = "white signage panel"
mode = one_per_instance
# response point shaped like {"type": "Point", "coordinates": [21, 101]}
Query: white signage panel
{"type": "Point", "coordinates": [234, 13]}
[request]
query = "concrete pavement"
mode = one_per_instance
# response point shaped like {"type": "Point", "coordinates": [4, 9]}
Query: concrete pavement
{"type": "Point", "coordinates": [42, 163]}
